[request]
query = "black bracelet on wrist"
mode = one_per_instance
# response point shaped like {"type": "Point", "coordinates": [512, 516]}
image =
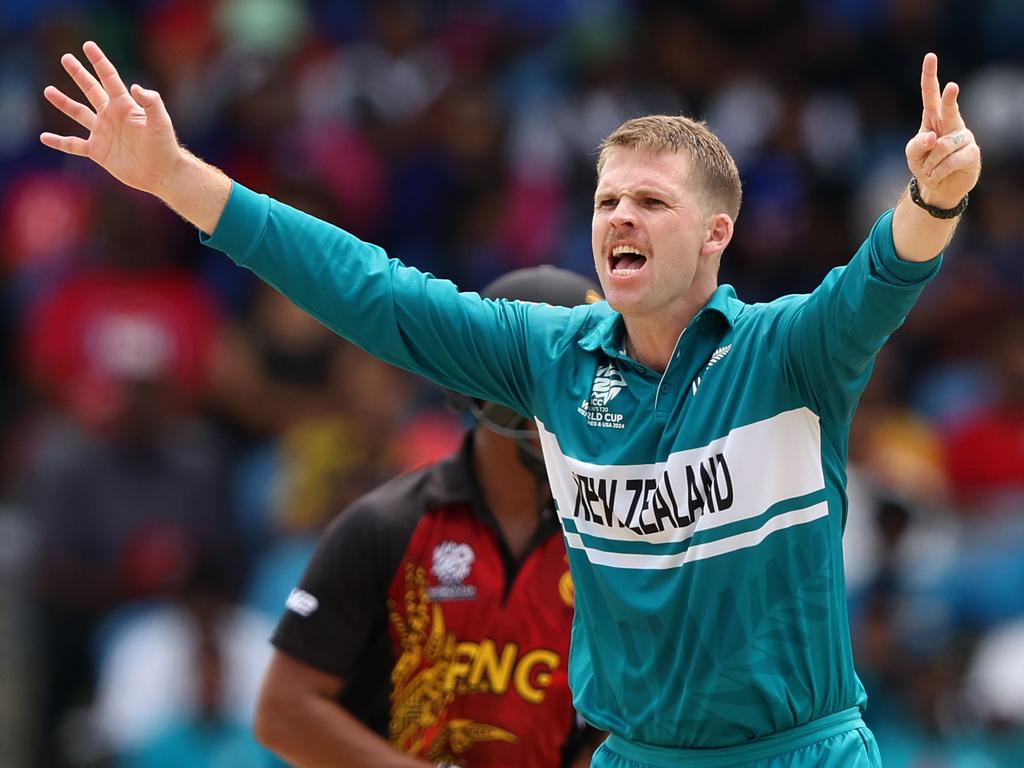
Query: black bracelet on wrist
{"type": "Point", "coordinates": [934, 210]}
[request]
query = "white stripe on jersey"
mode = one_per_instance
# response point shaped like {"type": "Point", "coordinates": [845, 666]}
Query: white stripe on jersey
{"type": "Point", "coordinates": [736, 477]}
{"type": "Point", "coordinates": [700, 551]}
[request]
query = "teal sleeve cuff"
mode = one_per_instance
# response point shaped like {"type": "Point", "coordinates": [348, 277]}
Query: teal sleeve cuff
{"type": "Point", "coordinates": [241, 224]}
{"type": "Point", "coordinates": [889, 266]}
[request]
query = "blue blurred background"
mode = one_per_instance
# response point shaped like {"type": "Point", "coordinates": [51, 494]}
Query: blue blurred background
{"type": "Point", "coordinates": [175, 436]}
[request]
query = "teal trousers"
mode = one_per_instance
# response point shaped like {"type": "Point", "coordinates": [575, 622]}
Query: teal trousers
{"type": "Point", "coordinates": [836, 741]}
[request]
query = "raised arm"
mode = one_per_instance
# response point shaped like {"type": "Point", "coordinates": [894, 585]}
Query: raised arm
{"type": "Point", "coordinates": [945, 160]}
{"type": "Point", "coordinates": [491, 350]}
{"type": "Point", "coordinates": [130, 135]}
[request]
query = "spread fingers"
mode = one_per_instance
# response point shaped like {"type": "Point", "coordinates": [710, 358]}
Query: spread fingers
{"type": "Point", "coordinates": [77, 111]}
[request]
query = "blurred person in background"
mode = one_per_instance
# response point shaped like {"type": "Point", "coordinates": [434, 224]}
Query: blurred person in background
{"type": "Point", "coordinates": [178, 676]}
{"type": "Point", "coordinates": [291, 487]}
{"type": "Point", "coordinates": [314, 422]}
{"type": "Point", "coordinates": [985, 451]}
{"type": "Point", "coordinates": [994, 691]}
{"type": "Point", "coordinates": [542, 361]}
{"type": "Point", "coordinates": [433, 622]}
{"type": "Point", "coordinates": [308, 435]}
{"type": "Point", "coordinates": [122, 479]}
{"type": "Point", "coordinates": [207, 739]}
{"type": "Point", "coordinates": [273, 366]}
{"type": "Point", "coordinates": [207, 733]}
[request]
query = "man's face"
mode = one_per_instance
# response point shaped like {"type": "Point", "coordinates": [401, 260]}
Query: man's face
{"type": "Point", "coordinates": [647, 231]}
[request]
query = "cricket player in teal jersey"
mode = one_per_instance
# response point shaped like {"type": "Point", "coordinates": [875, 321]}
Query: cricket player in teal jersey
{"type": "Point", "coordinates": [695, 444]}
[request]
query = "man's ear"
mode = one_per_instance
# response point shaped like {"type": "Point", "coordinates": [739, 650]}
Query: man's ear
{"type": "Point", "coordinates": [718, 234]}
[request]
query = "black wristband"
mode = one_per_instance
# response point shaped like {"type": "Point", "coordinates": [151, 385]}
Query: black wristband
{"type": "Point", "coordinates": [934, 210]}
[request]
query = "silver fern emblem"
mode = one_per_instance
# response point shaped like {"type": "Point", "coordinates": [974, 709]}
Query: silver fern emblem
{"type": "Point", "coordinates": [718, 355]}
{"type": "Point", "coordinates": [715, 357]}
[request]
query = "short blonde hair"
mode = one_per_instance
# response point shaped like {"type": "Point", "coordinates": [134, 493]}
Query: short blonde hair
{"type": "Point", "coordinates": [714, 169]}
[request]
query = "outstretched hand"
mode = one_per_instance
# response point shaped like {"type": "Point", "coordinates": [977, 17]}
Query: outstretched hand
{"type": "Point", "coordinates": [943, 155]}
{"type": "Point", "coordinates": [130, 132]}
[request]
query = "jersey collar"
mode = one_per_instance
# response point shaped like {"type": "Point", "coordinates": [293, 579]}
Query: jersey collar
{"type": "Point", "coordinates": [607, 334]}
{"type": "Point", "coordinates": [455, 482]}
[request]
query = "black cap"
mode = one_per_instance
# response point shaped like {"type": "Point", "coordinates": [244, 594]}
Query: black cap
{"type": "Point", "coordinates": [545, 285]}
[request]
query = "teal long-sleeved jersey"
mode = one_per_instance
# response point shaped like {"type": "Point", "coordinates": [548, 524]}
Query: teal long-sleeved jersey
{"type": "Point", "coordinates": [703, 508]}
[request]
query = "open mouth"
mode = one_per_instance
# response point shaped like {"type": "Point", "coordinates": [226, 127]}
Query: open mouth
{"type": "Point", "coordinates": [626, 260]}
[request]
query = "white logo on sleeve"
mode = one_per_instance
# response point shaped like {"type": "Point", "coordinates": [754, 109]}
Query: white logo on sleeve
{"type": "Point", "coordinates": [452, 563]}
{"type": "Point", "coordinates": [301, 602]}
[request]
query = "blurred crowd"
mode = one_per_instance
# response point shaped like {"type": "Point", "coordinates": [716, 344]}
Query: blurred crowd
{"type": "Point", "coordinates": [176, 435]}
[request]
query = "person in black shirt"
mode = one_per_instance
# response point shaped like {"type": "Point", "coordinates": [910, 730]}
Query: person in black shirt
{"type": "Point", "coordinates": [432, 625]}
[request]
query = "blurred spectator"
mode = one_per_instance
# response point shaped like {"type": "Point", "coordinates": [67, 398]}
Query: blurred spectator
{"type": "Point", "coordinates": [293, 487]}
{"type": "Point", "coordinates": [37, 257]}
{"type": "Point", "coordinates": [178, 681]}
{"type": "Point", "coordinates": [130, 314]}
{"type": "Point", "coordinates": [995, 677]}
{"type": "Point", "coordinates": [120, 516]}
{"type": "Point", "coordinates": [207, 739]}
{"type": "Point", "coordinates": [123, 485]}
{"type": "Point", "coordinates": [269, 28]}
{"type": "Point", "coordinates": [312, 418]}
{"type": "Point", "coordinates": [275, 368]}
{"type": "Point", "coordinates": [985, 453]}
{"type": "Point", "coordinates": [895, 446]}
{"type": "Point", "coordinates": [997, 96]}
{"type": "Point", "coordinates": [393, 75]}
{"type": "Point", "coordinates": [180, 45]}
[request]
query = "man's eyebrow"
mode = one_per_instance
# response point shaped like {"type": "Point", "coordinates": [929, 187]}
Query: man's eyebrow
{"type": "Point", "coordinates": [652, 190]}
{"type": "Point", "coordinates": [640, 190]}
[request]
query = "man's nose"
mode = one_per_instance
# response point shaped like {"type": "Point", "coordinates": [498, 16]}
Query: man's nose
{"type": "Point", "coordinates": [624, 214]}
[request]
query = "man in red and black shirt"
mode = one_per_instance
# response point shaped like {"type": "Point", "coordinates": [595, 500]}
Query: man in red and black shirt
{"type": "Point", "coordinates": [437, 610]}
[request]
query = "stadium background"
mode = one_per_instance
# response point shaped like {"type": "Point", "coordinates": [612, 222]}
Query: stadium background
{"type": "Point", "coordinates": [174, 436]}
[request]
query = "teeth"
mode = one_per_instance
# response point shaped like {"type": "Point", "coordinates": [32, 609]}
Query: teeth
{"type": "Point", "coordinates": [622, 249]}
{"type": "Point", "coordinates": [618, 250]}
